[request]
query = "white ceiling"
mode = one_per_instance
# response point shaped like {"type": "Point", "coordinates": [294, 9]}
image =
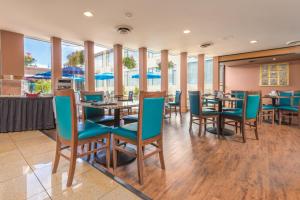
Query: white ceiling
{"type": "Point", "coordinates": [158, 24]}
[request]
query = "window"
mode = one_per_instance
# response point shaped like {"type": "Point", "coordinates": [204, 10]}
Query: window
{"type": "Point", "coordinates": [208, 76]}
{"type": "Point", "coordinates": [37, 64]}
{"type": "Point", "coordinates": [73, 64]}
{"type": "Point", "coordinates": [153, 72]}
{"type": "Point", "coordinates": [173, 73]}
{"type": "Point", "coordinates": [130, 71]}
{"type": "Point", "coordinates": [192, 74]}
{"type": "Point", "coordinates": [104, 69]}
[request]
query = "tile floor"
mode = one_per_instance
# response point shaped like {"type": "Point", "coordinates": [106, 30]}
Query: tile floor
{"type": "Point", "coordinates": [25, 172]}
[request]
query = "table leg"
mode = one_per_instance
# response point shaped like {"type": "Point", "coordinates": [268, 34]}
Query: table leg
{"type": "Point", "coordinates": [117, 117]}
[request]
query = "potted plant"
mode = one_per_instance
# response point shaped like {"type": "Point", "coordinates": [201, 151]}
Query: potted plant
{"type": "Point", "coordinates": [129, 62]}
{"type": "Point", "coordinates": [170, 65]}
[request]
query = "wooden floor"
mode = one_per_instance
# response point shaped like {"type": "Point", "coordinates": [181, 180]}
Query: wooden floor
{"type": "Point", "coordinates": [207, 168]}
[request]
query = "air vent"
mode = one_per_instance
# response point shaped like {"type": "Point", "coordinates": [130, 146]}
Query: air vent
{"type": "Point", "coordinates": [124, 29]}
{"type": "Point", "coordinates": [206, 44]}
{"type": "Point", "coordinates": [293, 43]}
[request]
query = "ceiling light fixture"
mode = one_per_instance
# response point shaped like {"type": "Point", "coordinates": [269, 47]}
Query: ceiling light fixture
{"type": "Point", "coordinates": [186, 31]}
{"type": "Point", "coordinates": [253, 42]}
{"type": "Point", "coordinates": [88, 14]}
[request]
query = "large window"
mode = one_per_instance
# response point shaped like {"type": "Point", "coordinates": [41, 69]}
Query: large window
{"type": "Point", "coordinates": [73, 64]}
{"type": "Point", "coordinates": [173, 73]}
{"type": "Point", "coordinates": [153, 71]}
{"type": "Point", "coordinates": [130, 71]}
{"type": "Point", "coordinates": [208, 75]}
{"type": "Point", "coordinates": [192, 73]}
{"type": "Point", "coordinates": [104, 69]}
{"type": "Point", "coordinates": [37, 62]}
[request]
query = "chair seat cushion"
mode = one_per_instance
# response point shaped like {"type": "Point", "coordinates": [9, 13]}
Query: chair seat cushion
{"type": "Point", "coordinates": [233, 113]}
{"type": "Point", "coordinates": [90, 129]}
{"type": "Point", "coordinates": [231, 109]}
{"type": "Point", "coordinates": [102, 119]}
{"type": "Point", "coordinates": [212, 101]}
{"type": "Point", "coordinates": [173, 104]}
{"type": "Point", "coordinates": [128, 131]}
{"type": "Point", "coordinates": [288, 108]}
{"type": "Point", "coordinates": [131, 117]}
{"type": "Point", "coordinates": [268, 107]}
{"type": "Point", "coordinates": [209, 112]}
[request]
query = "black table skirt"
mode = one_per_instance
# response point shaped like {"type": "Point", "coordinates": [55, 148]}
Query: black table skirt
{"type": "Point", "coordinates": [24, 114]}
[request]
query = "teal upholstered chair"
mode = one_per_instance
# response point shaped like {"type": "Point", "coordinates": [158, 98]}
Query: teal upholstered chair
{"type": "Point", "coordinates": [289, 107]}
{"type": "Point", "coordinates": [131, 118]}
{"type": "Point", "coordinates": [248, 115]}
{"type": "Point", "coordinates": [72, 134]}
{"type": "Point", "coordinates": [176, 103]}
{"type": "Point", "coordinates": [147, 131]}
{"type": "Point", "coordinates": [238, 105]}
{"type": "Point", "coordinates": [198, 114]}
{"type": "Point", "coordinates": [95, 114]}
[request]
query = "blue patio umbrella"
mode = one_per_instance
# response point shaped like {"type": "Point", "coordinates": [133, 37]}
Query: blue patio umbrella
{"type": "Point", "coordinates": [150, 75]}
{"type": "Point", "coordinates": [104, 76]}
{"type": "Point", "coordinates": [72, 70]}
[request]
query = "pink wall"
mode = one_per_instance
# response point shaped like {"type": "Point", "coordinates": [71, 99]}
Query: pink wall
{"type": "Point", "coordinates": [246, 77]}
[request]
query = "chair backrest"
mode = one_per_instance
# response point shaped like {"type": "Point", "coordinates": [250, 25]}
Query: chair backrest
{"type": "Point", "coordinates": [296, 101]}
{"type": "Point", "coordinates": [92, 96]}
{"type": "Point", "coordinates": [195, 102]}
{"type": "Point", "coordinates": [286, 101]}
{"type": "Point", "coordinates": [66, 116]}
{"type": "Point", "coordinates": [252, 103]}
{"type": "Point", "coordinates": [151, 109]}
{"type": "Point", "coordinates": [130, 95]}
{"type": "Point", "coordinates": [238, 94]}
{"type": "Point", "coordinates": [178, 97]}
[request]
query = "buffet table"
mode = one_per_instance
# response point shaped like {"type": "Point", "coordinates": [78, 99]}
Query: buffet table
{"type": "Point", "coordinates": [24, 114]}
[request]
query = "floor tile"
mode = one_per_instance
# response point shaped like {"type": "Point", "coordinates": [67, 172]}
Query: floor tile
{"type": "Point", "coordinates": [13, 170]}
{"type": "Point", "coordinates": [89, 185]}
{"type": "Point", "coordinates": [22, 187]}
{"type": "Point", "coordinates": [40, 196]}
{"type": "Point", "coordinates": [19, 136]}
{"type": "Point", "coordinates": [119, 193]}
{"type": "Point", "coordinates": [13, 156]}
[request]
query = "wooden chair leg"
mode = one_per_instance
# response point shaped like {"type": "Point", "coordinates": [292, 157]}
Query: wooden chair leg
{"type": "Point", "coordinates": [243, 131]}
{"type": "Point", "coordinates": [279, 117]}
{"type": "Point", "coordinates": [180, 111]}
{"type": "Point", "coordinates": [108, 152]}
{"type": "Point", "coordinates": [205, 125]}
{"type": "Point", "coordinates": [236, 127]}
{"type": "Point", "coordinates": [140, 165]}
{"type": "Point", "coordinates": [200, 126]}
{"type": "Point", "coordinates": [72, 165]}
{"type": "Point", "coordinates": [57, 155]}
{"type": "Point", "coordinates": [273, 117]}
{"type": "Point", "coordinates": [256, 131]}
{"type": "Point", "coordinates": [161, 154]}
{"type": "Point", "coordinates": [114, 156]}
{"type": "Point", "coordinates": [89, 149]}
{"type": "Point", "coordinates": [191, 122]}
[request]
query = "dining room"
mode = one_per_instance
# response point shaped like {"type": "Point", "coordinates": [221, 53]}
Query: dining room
{"type": "Point", "coordinates": [105, 100]}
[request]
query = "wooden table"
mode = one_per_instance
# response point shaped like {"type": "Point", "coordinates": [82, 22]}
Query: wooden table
{"type": "Point", "coordinates": [116, 106]}
{"type": "Point", "coordinates": [122, 158]}
{"type": "Point", "coordinates": [213, 130]}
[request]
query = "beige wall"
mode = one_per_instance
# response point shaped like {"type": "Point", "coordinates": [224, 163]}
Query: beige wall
{"type": "Point", "coordinates": [246, 77]}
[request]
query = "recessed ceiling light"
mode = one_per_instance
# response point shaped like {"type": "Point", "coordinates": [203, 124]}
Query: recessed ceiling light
{"type": "Point", "coordinates": [186, 31]}
{"type": "Point", "coordinates": [88, 14]}
{"type": "Point", "coordinates": [274, 59]}
{"type": "Point", "coordinates": [253, 42]}
{"type": "Point", "coordinates": [128, 15]}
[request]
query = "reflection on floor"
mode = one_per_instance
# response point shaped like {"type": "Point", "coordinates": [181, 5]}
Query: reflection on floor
{"type": "Point", "coordinates": [25, 172]}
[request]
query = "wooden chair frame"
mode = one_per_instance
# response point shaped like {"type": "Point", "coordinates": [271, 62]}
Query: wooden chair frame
{"type": "Point", "coordinates": [242, 121]}
{"type": "Point", "coordinates": [289, 114]}
{"type": "Point", "coordinates": [156, 141]}
{"type": "Point", "coordinates": [175, 106]}
{"type": "Point", "coordinates": [197, 119]}
{"type": "Point", "coordinates": [75, 142]}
